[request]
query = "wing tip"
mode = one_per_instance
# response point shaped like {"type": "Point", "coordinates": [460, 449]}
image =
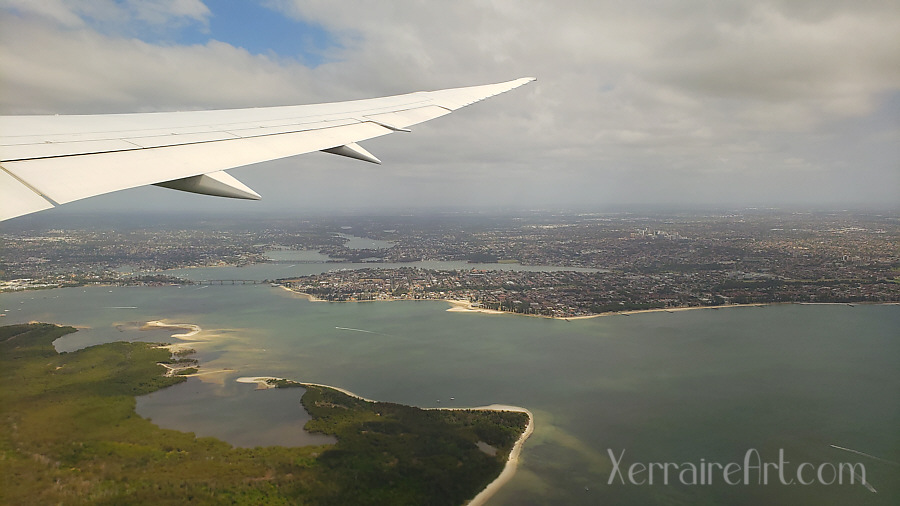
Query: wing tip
{"type": "Point", "coordinates": [456, 98]}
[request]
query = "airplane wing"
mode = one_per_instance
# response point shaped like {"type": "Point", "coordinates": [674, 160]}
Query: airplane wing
{"type": "Point", "coordinates": [52, 160]}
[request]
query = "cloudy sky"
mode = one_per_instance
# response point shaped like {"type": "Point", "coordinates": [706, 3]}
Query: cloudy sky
{"type": "Point", "coordinates": [790, 103]}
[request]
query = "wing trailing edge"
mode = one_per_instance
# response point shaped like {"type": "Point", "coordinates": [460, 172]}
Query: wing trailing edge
{"type": "Point", "coordinates": [51, 160]}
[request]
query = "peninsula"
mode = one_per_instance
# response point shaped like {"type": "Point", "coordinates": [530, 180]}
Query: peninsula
{"type": "Point", "coordinates": [70, 421]}
{"type": "Point", "coordinates": [265, 382]}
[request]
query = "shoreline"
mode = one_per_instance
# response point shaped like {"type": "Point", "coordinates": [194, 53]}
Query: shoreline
{"type": "Point", "coordinates": [465, 306]}
{"type": "Point", "coordinates": [304, 295]}
{"type": "Point", "coordinates": [755, 304]}
{"type": "Point", "coordinates": [512, 461]}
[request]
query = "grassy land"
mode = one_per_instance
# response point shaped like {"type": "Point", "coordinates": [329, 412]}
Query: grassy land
{"type": "Point", "coordinates": [69, 435]}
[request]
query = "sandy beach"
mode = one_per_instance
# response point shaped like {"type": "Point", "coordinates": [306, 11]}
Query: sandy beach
{"type": "Point", "coordinates": [509, 470]}
{"type": "Point", "coordinates": [262, 383]}
{"type": "Point", "coordinates": [511, 463]}
{"type": "Point", "coordinates": [662, 310]}
{"type": "Point", "coordinates": [312, 298]}
{"type": "Point", "coordinates": [305, 295]}
{"type": "Point", "coordinates": [464, 306]}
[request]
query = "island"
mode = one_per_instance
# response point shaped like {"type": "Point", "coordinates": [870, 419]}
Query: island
{"type": "Point", "coordinates": [70, 435]}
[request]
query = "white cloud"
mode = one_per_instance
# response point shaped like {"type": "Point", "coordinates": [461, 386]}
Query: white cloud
{"type": "Point", "coordinates": [82, 71]}
{"type": "Point", "coordinates": [636, 100]}
{"type": "Point", "coordinates": [164, 11]}
{"type": "Point", "coordinates": [59, 11]}
{"type": "Point", "coordinates": [111, 15]}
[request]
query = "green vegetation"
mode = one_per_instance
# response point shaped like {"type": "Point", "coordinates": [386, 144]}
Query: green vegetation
{"type": "Point", "coordinates": [283, 383]}
{"type": "Point", "coordinates": [416, 456]}
{"type": "Point", "coordinates": [69, 435]}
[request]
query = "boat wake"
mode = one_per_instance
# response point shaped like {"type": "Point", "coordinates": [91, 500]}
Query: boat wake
{"type": "Point", "coordinates": [358, 330]}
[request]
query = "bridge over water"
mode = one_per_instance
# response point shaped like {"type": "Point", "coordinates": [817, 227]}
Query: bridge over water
{"type": "Point", "coordinates": [297, 262]}
{"type": "Point", "coordinates": [230, 281]}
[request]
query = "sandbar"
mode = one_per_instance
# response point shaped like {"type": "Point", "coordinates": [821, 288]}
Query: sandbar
{"type": "Point", "coordinates": [262, 382]}
{"type": "Point", "coordinates": [190, 327]}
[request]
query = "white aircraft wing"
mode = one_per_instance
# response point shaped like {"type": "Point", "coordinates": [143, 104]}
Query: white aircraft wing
{"type": "Point", "coordinates": [52, 160]}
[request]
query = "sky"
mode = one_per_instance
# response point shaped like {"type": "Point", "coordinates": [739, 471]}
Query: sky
{"type": "Point", "coordinates": [760, 103]}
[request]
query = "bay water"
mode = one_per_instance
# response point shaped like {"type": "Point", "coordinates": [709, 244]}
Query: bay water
{"type": "Point", "coordinates": [685, 387]}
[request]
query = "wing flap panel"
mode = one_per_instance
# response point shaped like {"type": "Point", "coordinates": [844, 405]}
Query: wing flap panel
{"type": "Point", "coordinates": [247, 131]}
{"type": "Point", "coordinates": [17, 198]}
{"type": "Point", "coordinates": [71, 146]}
{"type": "Point", "coordinates": [158, 141]}
{"type": "Point", "coordinates": [408, 117]}
{"type": "Point", "coordinates": [65, 179]}
{"type": "Point", "coordinates": [48, 149]}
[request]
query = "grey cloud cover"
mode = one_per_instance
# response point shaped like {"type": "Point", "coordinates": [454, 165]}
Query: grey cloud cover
{"type": "Point", "coordinates": [690, 102]}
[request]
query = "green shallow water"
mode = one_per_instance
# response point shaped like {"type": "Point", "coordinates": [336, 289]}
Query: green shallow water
{"type": "Point", "coordinates": [664, 387]}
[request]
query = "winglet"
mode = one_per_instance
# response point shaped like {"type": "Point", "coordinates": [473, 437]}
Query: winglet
{"type": "Point", "coordinates": [18, 198]}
